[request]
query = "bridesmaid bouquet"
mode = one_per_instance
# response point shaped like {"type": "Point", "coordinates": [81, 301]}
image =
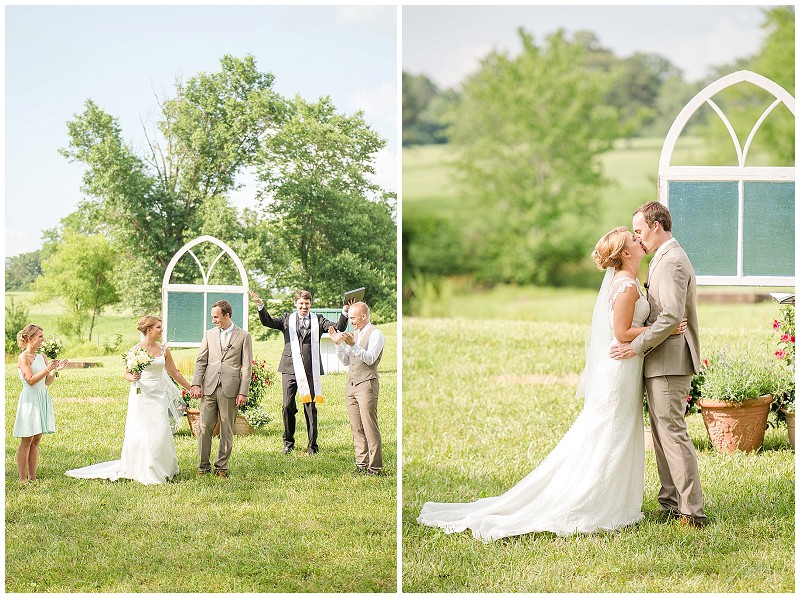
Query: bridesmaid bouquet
{"type": "Point", "coordinates": [52, 347]}
{"type": "Point", "coordinates": [136, 360]}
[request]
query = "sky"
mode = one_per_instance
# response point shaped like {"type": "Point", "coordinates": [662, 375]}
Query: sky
{"type": "Point", "coordinates": [447, 42]}
{"type": "Point", "coordinates": [124, 57]}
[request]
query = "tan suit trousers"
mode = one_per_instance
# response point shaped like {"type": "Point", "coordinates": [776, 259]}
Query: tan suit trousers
{"type": "Point", "coordinates": [212, 407]}
{"type": "Point", "coordinates": [362, 410]}
{"type": "Point", "coordinates": [675, 455]}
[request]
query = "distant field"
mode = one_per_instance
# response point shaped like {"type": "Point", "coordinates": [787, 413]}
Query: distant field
{"type": "Point", "coordinates": [429, 187]}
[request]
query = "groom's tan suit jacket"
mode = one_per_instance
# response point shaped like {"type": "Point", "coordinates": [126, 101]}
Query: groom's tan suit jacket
{"type": "Point", "coordinates": [672, 295]}
{"type": "Point", "coordinates": [230, 366]}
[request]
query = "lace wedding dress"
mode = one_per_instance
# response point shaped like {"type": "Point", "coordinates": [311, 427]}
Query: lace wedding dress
{"type": "Point", "coordinates": [148, 451]}
{"type": "Point", "coordinates": [594, 478]}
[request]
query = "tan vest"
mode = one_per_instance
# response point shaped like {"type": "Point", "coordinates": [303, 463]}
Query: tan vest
{"type": "Point", "coordinates": [360, 371]}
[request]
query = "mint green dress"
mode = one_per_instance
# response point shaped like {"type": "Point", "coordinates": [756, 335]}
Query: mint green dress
{"type": "Point", "coordinates": [35, 408]}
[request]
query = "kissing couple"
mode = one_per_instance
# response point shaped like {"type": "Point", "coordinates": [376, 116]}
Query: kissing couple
{"type": "Point", "coordinates": [594, 478]}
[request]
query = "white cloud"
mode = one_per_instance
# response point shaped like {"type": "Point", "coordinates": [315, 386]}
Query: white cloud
{"type": "Point", "coordinates": [20, 242]}
{"type": "Point", "coordinates": [379, 104]}
{"type": "Point", "coordinates": [716, 47]}
{"type": "Point", "coordinates": [371, 15]}
{"type": "Point", "coordinates": [386, 169]}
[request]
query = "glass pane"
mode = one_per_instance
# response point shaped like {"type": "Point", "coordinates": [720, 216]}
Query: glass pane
{"type": "Point", "coordinates": [769, 229]}
{"type": "Point", "coordinates": [237, 304]}
{"type": "Point", "coordinates": [184, 317]}
{"type": "Point", "coordinates": [705, 223]}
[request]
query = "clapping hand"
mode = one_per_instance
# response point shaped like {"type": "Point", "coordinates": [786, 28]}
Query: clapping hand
{"type": "Point", "coordinates": [60, 365]}
{"type": "Point", "coordinates": [336, 336]}
{"type": "Point", "coordinates": [347, 337]}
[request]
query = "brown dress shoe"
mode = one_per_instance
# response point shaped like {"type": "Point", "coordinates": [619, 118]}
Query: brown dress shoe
{"type": "Point", "coordinates": [687, 521]}
{"type": "Point", "coordinates": [221, 473]}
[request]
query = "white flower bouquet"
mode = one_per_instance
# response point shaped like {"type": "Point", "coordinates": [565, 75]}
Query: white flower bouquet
{"type": "Point", "coordinates": [136, 360]}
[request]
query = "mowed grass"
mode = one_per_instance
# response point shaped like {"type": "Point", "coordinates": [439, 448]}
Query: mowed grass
{"type": "Point", "coordinates": [487, 397]}
{"type": "Point", "coordinates": [429, 187]}
{"type": "Point", "coordinates": [278, 524]}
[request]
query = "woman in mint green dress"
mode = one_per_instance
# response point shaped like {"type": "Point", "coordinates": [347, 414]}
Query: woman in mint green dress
{"type": "Point", "coordinates": [35, 409]}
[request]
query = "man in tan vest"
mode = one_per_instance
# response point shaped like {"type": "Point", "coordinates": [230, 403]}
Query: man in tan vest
{"type": "Point", "coordinates": [361, 351]}
{"type": "Point", "coordinates": [669, 362]}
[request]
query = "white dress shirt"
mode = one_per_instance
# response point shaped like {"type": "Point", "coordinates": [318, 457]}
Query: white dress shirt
{"type": "Point", "coordinates": [368, 355]}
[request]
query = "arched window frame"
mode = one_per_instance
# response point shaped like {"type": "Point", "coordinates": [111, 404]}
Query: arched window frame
{"type": "Point", "coordinates": [204, 288]}
{"type": "Point", "coordinates": [740, 173]}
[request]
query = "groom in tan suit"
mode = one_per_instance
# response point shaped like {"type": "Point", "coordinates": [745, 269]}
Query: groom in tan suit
{"type": "Point", "coordinates": [221, 382]}
{"type": "Point", "coordinates": [669, 362]}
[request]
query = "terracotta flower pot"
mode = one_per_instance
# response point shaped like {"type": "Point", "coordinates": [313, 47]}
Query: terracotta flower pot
{"type": "Point", "coordinates": [736, 426]}
{"type": "Point", "coordinates": [240, 425]}
{"type": "Point", "coordinates": [790, 425]}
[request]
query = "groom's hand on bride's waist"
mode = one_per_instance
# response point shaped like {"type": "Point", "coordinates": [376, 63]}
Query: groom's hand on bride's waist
{"type": "Point", "coordinates": [622, 351]}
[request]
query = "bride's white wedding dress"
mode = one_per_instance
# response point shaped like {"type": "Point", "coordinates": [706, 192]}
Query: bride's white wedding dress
{"type": "Point", "coordinates": [148, 450]}
{"type": "Point", "coordinates": [594, 478]}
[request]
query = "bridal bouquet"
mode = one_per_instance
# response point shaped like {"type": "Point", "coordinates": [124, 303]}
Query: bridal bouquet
{"type": "Point", "coordinates": [136, 360]}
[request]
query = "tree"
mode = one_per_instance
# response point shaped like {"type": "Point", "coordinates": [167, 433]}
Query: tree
{"type": "Point", "coordinates": [529, 130]}
{"type": "Point", "coordinates": [208, 133]}
{"type": "Point", "coordinates": [332, 227]}
{"type": "Point", "coordinates": [22, 270]}
{"type": "Point", "coordinates": [774, 142]}
{"type": "Point", "coordinates": [80, 272]}
{"type": "Point", "coordinates": [777, 62]}
{"type": "Point", "coordinates": [424, 110]}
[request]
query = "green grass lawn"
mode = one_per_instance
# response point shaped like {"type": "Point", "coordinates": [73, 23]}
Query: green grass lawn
{"type": "Point", "coordinates": [278, 524]}
{"type": "Point", "coordinates": [487, 397]}
{"type": "Point", "coordinates": [632, 166]}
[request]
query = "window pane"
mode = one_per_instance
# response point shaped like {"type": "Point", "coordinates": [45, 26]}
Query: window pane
{"type": "Point", "coordinates": [769, 229]}
{"type": "Point", "coordinates": [184, 317]}
{"type": "Point", "coordinates": [705, 223]}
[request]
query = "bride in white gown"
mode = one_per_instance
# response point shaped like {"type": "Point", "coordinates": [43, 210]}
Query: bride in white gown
{"type": "Point", "coordinates": [594, 478]}
{"type": "Point", "coordinates": [148, 450]}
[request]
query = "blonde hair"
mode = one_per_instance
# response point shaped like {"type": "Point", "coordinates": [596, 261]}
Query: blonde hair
{"type": "Point", "coordinates": [26, 334]}
{"type": "Point", "coordinates": [146, 323]}
{"type": "Point", "coordinates": [608, 251]}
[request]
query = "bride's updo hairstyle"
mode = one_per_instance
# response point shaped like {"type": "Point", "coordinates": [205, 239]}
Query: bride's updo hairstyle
{"type": "Point", "coordinates": [146, 323]}
{"type": "Point", "coordinates": [608, 251]}
{"type": "Point", "coordinates": [26, 334]}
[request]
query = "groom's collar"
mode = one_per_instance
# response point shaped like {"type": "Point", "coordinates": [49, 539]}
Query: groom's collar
{"type": "Point", "coordinates": [664, 247]}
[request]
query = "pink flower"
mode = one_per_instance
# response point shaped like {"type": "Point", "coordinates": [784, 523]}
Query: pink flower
{"type": "Point", "coordinates": [688, 399]}
{"type": "Point", "coordinates": [785, 338]}
{"type": "Point", "coordinates": [705, 363]}
{"type": "Point", "coordinates": [776, 324]}
{"type": "Point", "coordinates": [780, 354]}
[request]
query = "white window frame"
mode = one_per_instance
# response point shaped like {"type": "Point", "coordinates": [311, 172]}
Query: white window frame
{"type": "Point", "coordinates": [740, 173]}
{"type": "Point", "coordinates": [204, 288]}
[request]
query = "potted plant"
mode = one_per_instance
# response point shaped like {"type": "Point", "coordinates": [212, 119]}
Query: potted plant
{"type": "Point", "coordinates": [784, 402]}
{"type": "Point", "coordinates": [253, 416]}
{"type": "Point", "coordinates": [736, 393]}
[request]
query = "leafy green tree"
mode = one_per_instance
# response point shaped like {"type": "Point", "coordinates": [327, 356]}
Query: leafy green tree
{"type": "Point", "coordinates": [207, 133]}
{"type": "Point", "coordinates": [425, 110]}
{"type": "Point", "coordinates": [16, 319]}
{"type": "Point", "coordinates": [22, 270]}
{"type": "Point", "coordinates": [743, 105]}
{"type": "Point", "coordinates": [776, 61]}
{"type": "Point", "coordinates": [80, 273]}
{"type": "Point", "coordinates": [333, 228]}
{"type": "Point", "coordinates": [530, 130]}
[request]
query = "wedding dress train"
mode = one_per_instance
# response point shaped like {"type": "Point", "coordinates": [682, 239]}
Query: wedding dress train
{"type": "Point", "coordinates": [148, 450]}
{"type": "Point", "coordinates": [594, 478]}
